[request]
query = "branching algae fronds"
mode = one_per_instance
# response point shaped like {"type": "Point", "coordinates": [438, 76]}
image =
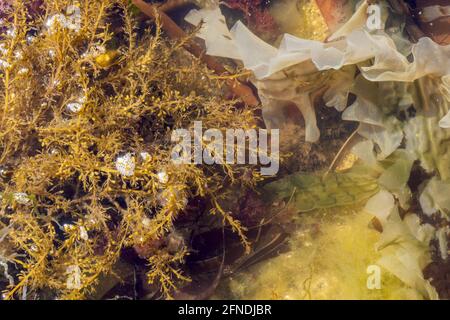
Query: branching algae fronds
{"type": "Point", "coordinates": [89, 98]}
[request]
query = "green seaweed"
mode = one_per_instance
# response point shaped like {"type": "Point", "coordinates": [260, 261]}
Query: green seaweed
{"type": "Point", "coordinates": [306, 192]}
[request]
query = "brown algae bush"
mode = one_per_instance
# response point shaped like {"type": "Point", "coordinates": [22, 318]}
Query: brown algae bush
{"type": "Point", "coordinates": [90, 93]}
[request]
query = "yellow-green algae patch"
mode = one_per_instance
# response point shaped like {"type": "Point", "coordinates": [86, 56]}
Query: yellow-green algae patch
{"type": "Point", "coordinates": [329, 255]}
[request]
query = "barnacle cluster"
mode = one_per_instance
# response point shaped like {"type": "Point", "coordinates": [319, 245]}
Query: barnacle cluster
{"type": "Point", "coordinates": [89, 96]}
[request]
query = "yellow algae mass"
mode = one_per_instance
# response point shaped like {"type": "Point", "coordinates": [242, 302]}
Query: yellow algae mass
{"type": "Point", "coordinates": [107, 59]}
{"type": "Point", "coordinates": [332, 257]}
{"type": "Point", "coordinates": [301, 18]}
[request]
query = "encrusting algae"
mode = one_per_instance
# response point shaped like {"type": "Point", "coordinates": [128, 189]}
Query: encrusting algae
{"type": "Point", "coordinates": [90, 93]}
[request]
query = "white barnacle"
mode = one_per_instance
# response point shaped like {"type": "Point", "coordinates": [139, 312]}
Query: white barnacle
{"type": "Point", "coordinates": [71, 21]}
{"type": "Point", "coordinates": [4, 64]}
{"type": "Point", "coordinates": [18, 55]}
{"type": "Point", "coordinates": [12, 33]}
{"type": "Point", "coordinates": [22, 198]}
{"type": "Point", "coordinates": [30, 38]}
{"type": "Point", "coordinates": [23, 71]}
{"type": "Point", "coordinates": [52, 53]}
{"type": "Point", "coordinates": [126, 164]}
{"type": "Point", "coordinates": [145, 156]}
{"type": "Point", "coordinates": [94, 51]}
{"type": "Point", "coordinates": [171, 195]}
{"type": "Point", "coordinates": [82, 99]}
{"type": "Point", "coordinates": [73, 18]}
{"type": "Point", "coordinates": [6, 274]}
{"type": "Point", "coordinates": [163, 177]}
{"type": "Point", "coordinates": [83, 234]}
{"type": "Point", "coordinates": [146, 222]}
{"type": "Point", "coordinates": [3, 49]}
{"type": "Point", "coordinates": [74, 107]}
{"type": "Point", "coordinates": [73, 281]}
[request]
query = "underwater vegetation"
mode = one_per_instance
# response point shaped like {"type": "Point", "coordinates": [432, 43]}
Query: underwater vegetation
{"type": "Point", "coordinates": [383, 70]}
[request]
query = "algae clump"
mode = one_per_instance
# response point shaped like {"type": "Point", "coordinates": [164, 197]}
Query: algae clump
{"type": "Point", "coordinates": [89, 96]}
{"type": "Point", "coordinates": [331, 256]}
